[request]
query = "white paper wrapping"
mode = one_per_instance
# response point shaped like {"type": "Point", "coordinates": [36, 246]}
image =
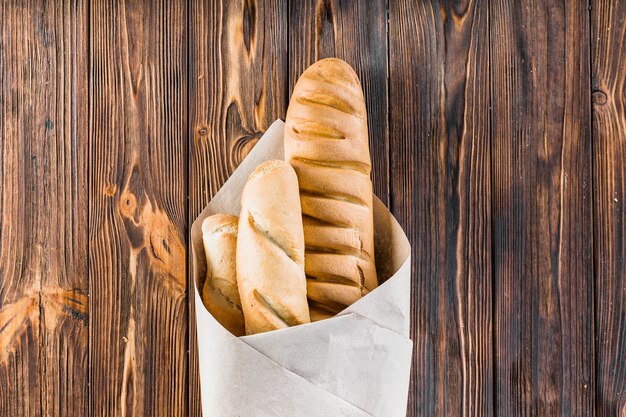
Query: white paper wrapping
{"type": "Point", "coordinates": [354, 364]}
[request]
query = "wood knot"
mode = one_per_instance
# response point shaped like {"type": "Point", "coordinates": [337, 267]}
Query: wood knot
{"type": "Point", "coordinates": [249, 24]}
{"type": "Point", "coordinates": [599, 98]}
{"type": "Point", "coordinates": [110, 190]}
{"type": "Point", "coordinates": [15, 319]}
{"type": "Point", "coordinates": [203, 131]}
{"type": "Point", "coordinates": [52, 305]}
{"type": "Point", "coordinates": [243, 145]}
{"type": "Point", "coordinates": [128, 204]}
{"type": "Point", "coordinates": [324, 29]}
{"type": "Point", "coordinates": [165, 248]}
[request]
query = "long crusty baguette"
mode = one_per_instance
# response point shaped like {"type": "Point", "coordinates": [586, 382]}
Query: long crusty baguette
{"type": "Point", "coordinates": [326, 141]}
{"type": "Point", "coordinates": [220, 293]}
{"type": "Point", "coordinates": [270, 250]}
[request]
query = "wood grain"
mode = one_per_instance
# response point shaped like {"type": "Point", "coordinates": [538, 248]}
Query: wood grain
{"type": "Point", "coordinates": [238, 87]}
{"type": "Point", "coordinates": [357, 33]}
{"type": "Point", "coordinates": [138, 211]}
{"type": "Point", "coordinates": [43, 211]}
{"type": "Point", "coordinates": [608, 70]}
{"type": "Point", "coordinates": [541, 153]}
{"type": "Point", "coordinates": [498, 138]}
{"type": "Point", "coordinates": [440, 193]}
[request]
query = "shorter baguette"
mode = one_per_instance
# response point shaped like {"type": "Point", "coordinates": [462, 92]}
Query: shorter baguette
{"type": "Point", "coordinates": [220, 293]}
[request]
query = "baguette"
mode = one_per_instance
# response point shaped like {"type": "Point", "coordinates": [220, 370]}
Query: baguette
{"type": "Point", "coordinates": [270, 250]}
{"type": "Point", "coordinates": [219, 293]}
{"type": "Point", "coordinates": [326, 141]}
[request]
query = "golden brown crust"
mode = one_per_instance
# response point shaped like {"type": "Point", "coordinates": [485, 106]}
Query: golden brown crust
{"type": "Point", "coordinates": [219, 292]}
{"type": "Point", "coordinates": [326, 141]}
{"type": "Point", "coordinates": [270, 250]}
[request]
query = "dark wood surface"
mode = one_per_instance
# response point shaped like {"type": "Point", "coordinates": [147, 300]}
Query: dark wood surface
{"type": "Point", "coordinates": [44, 165]}
{"type": "Point", "coordinates": [440, 190]}
{"type": "Point", "coordinates": [542, 208]}
{"type": "Point", "coordinates": [498, 137]}
{"type": "Point", "coordinates": [137, 208]}
{"type": "Point", "coordinates": [608, 89]}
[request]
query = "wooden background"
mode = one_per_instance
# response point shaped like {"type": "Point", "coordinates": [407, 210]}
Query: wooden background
{"type": "Point", "coordinates": [498, 137]}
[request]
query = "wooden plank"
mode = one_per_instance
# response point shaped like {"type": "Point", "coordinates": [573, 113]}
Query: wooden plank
{"type": "Point", "coordinates": [608, 70]}
{"type": "Point", "coordinates": [43, 210]}
{"type": "Point", "coordinates": [138, 212]}
{"type": "Point", "coordinates": [440, 193]}
{"type": "Point", "coordinates": [238, 87]}
{"type": "Point", "coordinates": [357, 33]}
{"type": "Point", "coordinates": [541, 159]}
